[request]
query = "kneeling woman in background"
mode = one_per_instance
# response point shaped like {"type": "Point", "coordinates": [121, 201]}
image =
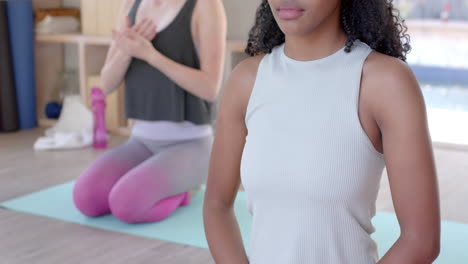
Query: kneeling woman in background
{"type": "Point", "coordinates": [171, 79]}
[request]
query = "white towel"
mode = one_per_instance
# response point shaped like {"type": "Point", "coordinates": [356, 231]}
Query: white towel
{"type": "Point", "coordinates": [74, 129]}
{"type": "Point", "coordinates": [65, 140]}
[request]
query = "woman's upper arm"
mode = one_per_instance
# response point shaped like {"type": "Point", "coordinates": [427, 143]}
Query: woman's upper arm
{"type": "Point", "coordinates": [224, 173]}
{"type": "Point", "coordinates": [211, 35]}
{"type": "Point", "coordinates": [400, 112]}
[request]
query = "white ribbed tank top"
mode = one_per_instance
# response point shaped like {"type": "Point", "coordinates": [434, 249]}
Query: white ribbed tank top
{"type": "Point", "coordinates": [309, 170]}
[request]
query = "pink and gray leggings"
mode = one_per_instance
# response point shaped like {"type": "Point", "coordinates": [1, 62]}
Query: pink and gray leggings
{"type": "Point", "coordinates": [142, 180]}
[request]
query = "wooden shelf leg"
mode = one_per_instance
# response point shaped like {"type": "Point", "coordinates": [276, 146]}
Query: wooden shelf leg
{"type": "Point", "coordinates": [82, 67]}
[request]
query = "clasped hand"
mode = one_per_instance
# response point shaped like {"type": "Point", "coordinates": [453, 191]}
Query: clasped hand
{"type": "Point", "coordinates": [135, 41]}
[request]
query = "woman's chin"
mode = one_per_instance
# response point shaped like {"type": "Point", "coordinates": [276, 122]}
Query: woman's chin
{"type": "Point", "coordinates": [291, 28]}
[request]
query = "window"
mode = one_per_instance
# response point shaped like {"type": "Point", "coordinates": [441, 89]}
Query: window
{"type": "Point", "coordinates": [433, 9]}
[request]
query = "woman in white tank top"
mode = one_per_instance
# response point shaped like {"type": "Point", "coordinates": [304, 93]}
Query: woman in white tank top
{"type": "Point", "coordinates": [307, 124]}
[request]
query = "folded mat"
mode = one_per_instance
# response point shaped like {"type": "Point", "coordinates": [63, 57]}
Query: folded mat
{"type": "Point", "coordinates": [185, 226]}
{"type": "Point", "coordinates": [41, 13]}
{"type": "Point", "coordinates": [8, 112]}
{"type": "Point", "coordinates": [21, 26]}
{"type": "Point", "coordinates": [58, 25]}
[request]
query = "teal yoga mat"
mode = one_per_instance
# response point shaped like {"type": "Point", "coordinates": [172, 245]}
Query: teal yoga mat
{"type": "Point", "coordinates": [185, 226]}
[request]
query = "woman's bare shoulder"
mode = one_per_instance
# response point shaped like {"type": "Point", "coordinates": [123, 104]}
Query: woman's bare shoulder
{"type": "Point", "coordinates": [385, 73]}
{"type": "Point", "coordinates": [245, 74]}
{"type": "Point", "coordinates": [246, 70]}
{"type": "Point", "coordinates": [241, 82]}
{"type": "Point", "coordinates": [389, 83]}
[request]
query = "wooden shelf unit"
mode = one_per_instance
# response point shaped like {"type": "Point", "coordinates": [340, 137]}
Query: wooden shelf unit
{"type": "Point", "coordinates": [86, 43]}
{"type": "Point", "coordinates": [45, 122]}
{"type": "Point", "coordinates": [92, 44]}
{"type": "Point", "coordinates": [50, 51]}
{"type": "Point", "coordinates": [91, 55]}
{"type": "Point", "coordinates": [73, 39]}
{"type": "Point", "coordinates": [232, 45]}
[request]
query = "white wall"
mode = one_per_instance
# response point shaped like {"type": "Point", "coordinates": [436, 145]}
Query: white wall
{"type": "Point", "coordinates": [240, 15]}
{"type": "Point", "coordinates": [71, 3]}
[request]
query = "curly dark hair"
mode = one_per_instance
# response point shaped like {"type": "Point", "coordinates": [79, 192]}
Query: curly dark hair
{"type": "Point", "coordinates": [374, 22]}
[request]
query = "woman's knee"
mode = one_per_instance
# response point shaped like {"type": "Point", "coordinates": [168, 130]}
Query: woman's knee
{"type": "Point", "coordinates": [123, 205]}
{"type": "Point", "coordinates": [88, 200]}
{"type": "Point", "coordinates": [132, 197]}
{"type": "Point", "coordinates": [90, 194]}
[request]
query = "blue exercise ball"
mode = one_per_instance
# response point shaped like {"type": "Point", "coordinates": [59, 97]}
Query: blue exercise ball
{"type": "Point", "coordinates": [53, 110]}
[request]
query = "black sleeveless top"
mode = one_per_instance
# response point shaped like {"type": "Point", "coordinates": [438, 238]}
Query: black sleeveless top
{"type": "Point", "coordinates": [149, 94]}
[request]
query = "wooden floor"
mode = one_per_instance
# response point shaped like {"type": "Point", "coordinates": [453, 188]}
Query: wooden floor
{"type": "Point", "coordinates": [32, 239]}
